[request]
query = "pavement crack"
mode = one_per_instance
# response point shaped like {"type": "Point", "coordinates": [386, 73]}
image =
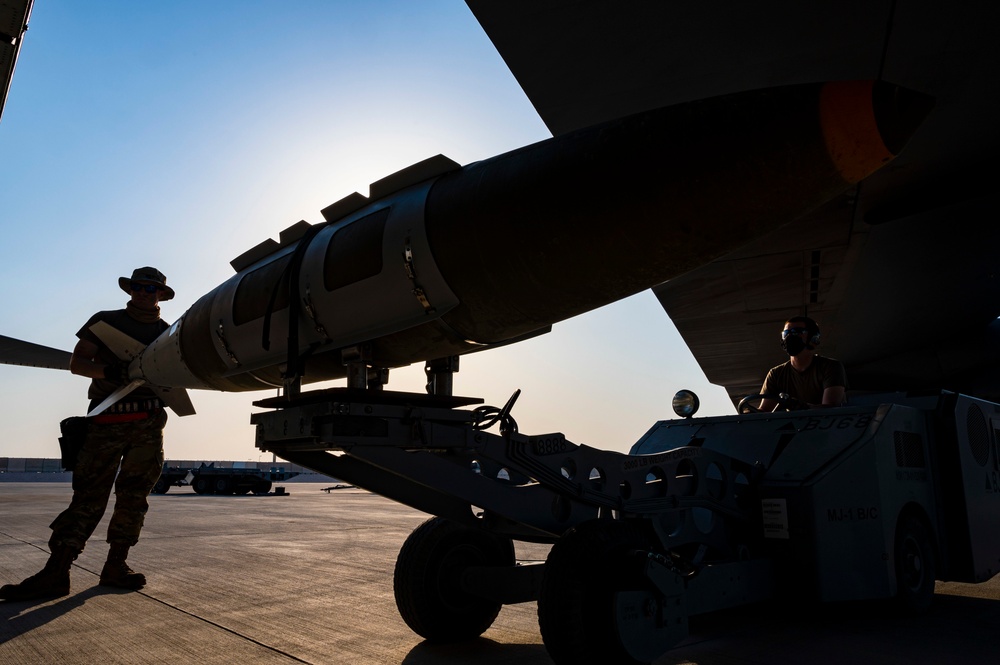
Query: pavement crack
{"type": "Point", "coordinates": [216, 624]}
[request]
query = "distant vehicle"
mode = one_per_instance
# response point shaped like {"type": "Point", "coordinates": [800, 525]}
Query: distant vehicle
{"type": "Point", "coordinates": [209, 479]}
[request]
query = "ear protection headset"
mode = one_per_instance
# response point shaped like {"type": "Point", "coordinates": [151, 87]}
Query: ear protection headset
{"type": "Point", "coordinates": [814, 337]}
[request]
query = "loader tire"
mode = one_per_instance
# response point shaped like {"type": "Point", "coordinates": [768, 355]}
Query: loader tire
{"type": "Point", "coordinates": [584, 570]}
{"type": "Point", "coordinates": [427, 579]}
{"type": "Point", "coordinates": [914, 560]}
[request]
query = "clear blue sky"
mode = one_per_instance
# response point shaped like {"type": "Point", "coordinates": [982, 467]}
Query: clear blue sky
{"type": "Point", "coordinates": [181, 134]}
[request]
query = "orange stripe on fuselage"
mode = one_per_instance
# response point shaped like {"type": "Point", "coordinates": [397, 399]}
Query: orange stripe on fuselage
{"type": "Point", "coordinates": [847, 119]}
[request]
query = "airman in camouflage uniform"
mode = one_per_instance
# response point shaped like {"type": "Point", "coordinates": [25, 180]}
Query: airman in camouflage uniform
{"type": "Point", "coordinates": [123, 448]}
{"type": "Point", "coordinates": [138, 446]}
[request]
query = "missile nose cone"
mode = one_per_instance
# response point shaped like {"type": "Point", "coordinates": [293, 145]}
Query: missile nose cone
{"type": "Point", "coordinates": [898, 113]}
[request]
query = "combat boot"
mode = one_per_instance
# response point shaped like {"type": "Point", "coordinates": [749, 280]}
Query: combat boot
{"type": "Point", "coordinates": [116, 572]}
{"type": "Point", "coordinates": [51, 581]}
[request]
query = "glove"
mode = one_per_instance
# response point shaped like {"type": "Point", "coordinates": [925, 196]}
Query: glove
{"type": "Point", "coordinates": [117, 372]}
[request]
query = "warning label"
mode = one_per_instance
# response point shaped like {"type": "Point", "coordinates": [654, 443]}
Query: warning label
{"type": "Point", "coordinates": [775, 518]}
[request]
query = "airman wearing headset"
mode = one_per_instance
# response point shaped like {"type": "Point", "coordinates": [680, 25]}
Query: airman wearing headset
{"type": "Point", "coordinates": [809, 378]}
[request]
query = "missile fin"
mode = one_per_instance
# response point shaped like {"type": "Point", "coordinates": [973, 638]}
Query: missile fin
{"type": "Point", "coordinates": [411, 175]}
{"type": "Point", "coordinates": [115, 397]}
{"type": "Point", "coordinates": [344, 207]}
{"type": "Point", "coordinates": [254, 254]}
{"type": "Point", "coordinates": [122, 345]}
{"type": "Point", "coordinates": [294, 233]}
{"type": "Point", "coordinates": [175, 398]}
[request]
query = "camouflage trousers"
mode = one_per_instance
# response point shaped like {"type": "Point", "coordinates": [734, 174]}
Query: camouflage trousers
{"type": "Point", "coordinates": [128, 456]}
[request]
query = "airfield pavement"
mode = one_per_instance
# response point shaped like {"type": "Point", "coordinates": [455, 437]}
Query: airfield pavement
{"type": "Point", "coordinates": [307, 578]}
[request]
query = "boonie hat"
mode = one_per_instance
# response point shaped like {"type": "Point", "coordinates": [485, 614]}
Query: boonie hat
{"type": "Point", "coordinates": [150, 275]}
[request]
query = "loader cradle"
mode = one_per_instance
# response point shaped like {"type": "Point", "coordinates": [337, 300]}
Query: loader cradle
{"type": "Point", "coordinates": [874, 500]}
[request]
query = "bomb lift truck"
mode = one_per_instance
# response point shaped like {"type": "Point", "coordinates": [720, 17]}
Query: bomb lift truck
{"type": "Point", "coordinates": [868, 501]}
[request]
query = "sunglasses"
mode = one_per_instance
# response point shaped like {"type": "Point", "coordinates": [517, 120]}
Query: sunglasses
{"type": "Point", "coordinates": [788, 332]}
{"type": "Point", "coordinates": [148, 288]}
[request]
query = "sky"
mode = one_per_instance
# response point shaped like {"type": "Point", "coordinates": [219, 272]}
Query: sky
{"type": "Point", "coordinates": [181, 134]}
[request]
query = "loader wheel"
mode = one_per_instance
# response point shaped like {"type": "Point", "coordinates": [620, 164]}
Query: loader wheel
{"type": "Point", "coordinates": [427, 580]}
{"type": "Point", "coordinates": [202, 485]}
{"type": "Point", "coordinates": [262, 487]}
{"type": "Point", "coordinates": [161, 486]}
{"type": "Point", "coordinates": [576, 607]}
{"type": "Point", "coordinates": [915, 565]}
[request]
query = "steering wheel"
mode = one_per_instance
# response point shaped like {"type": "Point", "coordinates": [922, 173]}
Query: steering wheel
{"type": "Point", "coordinates": [785, 403]}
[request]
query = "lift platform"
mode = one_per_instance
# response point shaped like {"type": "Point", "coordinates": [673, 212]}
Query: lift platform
{"type": "Point", "coordinates": [875, 500]}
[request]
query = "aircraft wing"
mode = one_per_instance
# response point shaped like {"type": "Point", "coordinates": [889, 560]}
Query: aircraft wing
{"type": "Point", "coordinates": [899, 273]}
{"type": "Point", "coordinates": [13, 23]}
{"type": "Point", "coordinates": [17, 352]}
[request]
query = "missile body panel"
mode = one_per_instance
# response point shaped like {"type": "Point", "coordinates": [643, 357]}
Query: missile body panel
{"type": "Point", "coordinates": [363, 277]}
{"type": "Point", "coordinates": [501, 249]}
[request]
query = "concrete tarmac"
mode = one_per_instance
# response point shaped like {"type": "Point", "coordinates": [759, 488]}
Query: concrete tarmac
{"type": "Point", "coordinates": [307, 578]}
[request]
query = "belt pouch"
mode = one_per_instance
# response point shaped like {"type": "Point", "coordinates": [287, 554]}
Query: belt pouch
{"type": "Point", "coordinates": [74, 433]}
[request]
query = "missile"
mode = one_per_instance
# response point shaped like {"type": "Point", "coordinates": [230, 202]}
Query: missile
{"type": "Point", "coordinates": [441, 260]}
